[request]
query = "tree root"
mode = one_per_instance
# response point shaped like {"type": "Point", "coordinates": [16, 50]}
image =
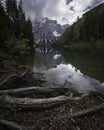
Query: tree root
{"type": "Point", "coordinates": [11, 77]}
{"type": "Point", "coordinates": [31, 103]}
{"type": "Point", "coordinates": [11, 125]}
{"type": "Point", "coordinates": [21, 92]}
{"type": "Point", "coordinates": [1, 71]}
{"type": "Point", "coordinates": [84, 112]}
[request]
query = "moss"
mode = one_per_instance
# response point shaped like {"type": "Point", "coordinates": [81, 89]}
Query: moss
{"type": "Point", "coordinates": [71, 91]}
{"type": "Point", "coordinates": [14, 113]}
{"type": "Point", "coordinates": [85, 103]}
{"type": "Point", "coordinates": [11, 113]}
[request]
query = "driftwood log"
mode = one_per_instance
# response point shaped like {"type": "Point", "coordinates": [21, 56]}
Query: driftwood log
{"type": "Point", "coordinates": [11, 125]}
{"type": "Point", "coordinates": [84, 112]}
{"type": "Point", "coordinates": [21, 92]}
{"type": "Point", "coordinates": [31, 103]}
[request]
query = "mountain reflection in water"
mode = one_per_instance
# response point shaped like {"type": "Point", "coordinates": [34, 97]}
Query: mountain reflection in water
{"type": "Point", "coordinates": [57, 72]}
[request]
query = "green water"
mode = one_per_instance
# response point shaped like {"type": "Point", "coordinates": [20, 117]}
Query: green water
{"type": "Point", "coordinates": [89, 63]}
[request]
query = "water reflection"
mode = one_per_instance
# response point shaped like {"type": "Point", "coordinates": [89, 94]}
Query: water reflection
{"type": "Point", "coordinates": [69, 76]}
{"type": "Point", "coordinates": [46, 58]}
{"type": "Point", "coordinates": [90, 63]}
{"type": "Point", "coordinates": [57, 72]}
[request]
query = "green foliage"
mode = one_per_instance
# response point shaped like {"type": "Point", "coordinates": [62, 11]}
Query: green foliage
{"type": "Point", "coordinates": [79, 46]}
{"type": "Point", "coordinates": [11, 113]}
{"type": "Point", "coordinates": [89, 29]}
{"type": "Point", "coordinates": [13, 109]}
{"type": "Point", "coordinates": [72, 92]}
{"type": "Point", "coordinates": [7, 60]}
{"type": "Point", "coordinates": [16, 47]}
{"type": "Point", "coordinates": [16, 35]}
{"type": "Point", "coordinates": [28, 32]}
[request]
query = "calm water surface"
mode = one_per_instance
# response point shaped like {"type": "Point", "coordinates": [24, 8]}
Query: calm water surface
{"type": "Point", "coordinates": [82, 71]}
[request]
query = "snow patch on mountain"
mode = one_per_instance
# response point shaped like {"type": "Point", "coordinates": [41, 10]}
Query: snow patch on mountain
{"type": "Point", "coordinates": [47, 31]}
{"type": "Point", "coordinates": [56, 34]}
{"type": "Point", "coordinates": [55, 57]}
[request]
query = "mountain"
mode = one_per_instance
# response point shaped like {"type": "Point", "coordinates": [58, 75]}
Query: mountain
{"type": "Point", "coordinates": [47, 31]}
{"type": "Point", "coordinates": [87, 31]}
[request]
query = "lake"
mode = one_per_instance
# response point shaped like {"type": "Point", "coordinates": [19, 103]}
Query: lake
{"type": "Point", "coordinates": [82, 71]}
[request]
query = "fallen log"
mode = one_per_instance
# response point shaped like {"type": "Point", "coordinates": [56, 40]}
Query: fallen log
{"type": "Point", "coordinates": [32, 103]}
{"type": "Point", "coordinates": [84, 112]}
{"type": "Point", "coordinates": [21, 92]}
{"type": "Point", "coordinates": [11, 125]}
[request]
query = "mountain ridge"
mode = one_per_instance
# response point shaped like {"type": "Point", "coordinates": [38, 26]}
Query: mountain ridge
{"type": "Point", "coordinates": [47, 31]}
{"type": "Point", "coordinates": [87, 32]}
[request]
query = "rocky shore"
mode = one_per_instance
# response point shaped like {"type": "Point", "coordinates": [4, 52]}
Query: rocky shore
{"type": "Point", "coordinates": [26, 104]}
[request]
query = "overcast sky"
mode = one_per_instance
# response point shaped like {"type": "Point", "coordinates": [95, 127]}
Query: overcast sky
{"type": "Point", "coordinates": [65, 11]}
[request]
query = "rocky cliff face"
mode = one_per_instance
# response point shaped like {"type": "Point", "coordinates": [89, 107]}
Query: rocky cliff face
{"type": "Point", "coordinates": [47, 31]}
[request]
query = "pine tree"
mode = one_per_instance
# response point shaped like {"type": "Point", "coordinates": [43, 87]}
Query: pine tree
{"type": "Point", "coordinates": [16, 35]}
{"type": "Point", "coordinates": [1, 11]}
{"type": "Point", "coordinates": [3, 25]}
{"type": "Point", "coordinates": [1, 22]}
{"type": "Point", "coordinates": [22, 18]}
{"type": "Point", "coordinates": [28, 32]}
{"type": "Point", "coordinates": [25, 25]}
{"type": "Point", "coordinates": [12, 13]}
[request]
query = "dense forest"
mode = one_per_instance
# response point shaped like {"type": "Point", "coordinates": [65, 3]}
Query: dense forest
{"type": "Point", "coordinates": [16, 35]}
{"type": "Point", "coordinates": [87, 32]}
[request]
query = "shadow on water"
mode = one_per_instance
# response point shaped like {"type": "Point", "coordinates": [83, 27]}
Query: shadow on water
{"type": "Point", "coordinates": [28, 60]}
{"type": "Point", "coordinates": [46, 58]}
{"type": "Point", "coordinates": [82, 71]}
{"type": "Point", "coordinates": [89, 62]}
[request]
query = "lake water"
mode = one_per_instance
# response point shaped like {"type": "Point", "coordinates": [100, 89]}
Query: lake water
{"type": "Point", "coordinates": [81, 71]}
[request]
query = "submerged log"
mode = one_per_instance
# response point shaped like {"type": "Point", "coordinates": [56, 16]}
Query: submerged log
{"type": "Point", "coordinates": [31, 103]}
{"type": "Point", "coordinates": [11, 125]}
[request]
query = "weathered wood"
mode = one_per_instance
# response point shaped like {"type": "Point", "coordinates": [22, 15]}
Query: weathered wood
{"type": "Point", "coordinates": [20, 92]}
{"type": "Point", "coordinates": [12, 77]}
{"type": "Point", "coordinates": [31, 103]}
{"type": "Point", "coordinates": [84, 112]}
{"type": "Point", "coordinates": [7, 79]}
{"type": "Point", "coordinates": [1, 71]}
{"type": "Point", "coordinates": [11, 125]}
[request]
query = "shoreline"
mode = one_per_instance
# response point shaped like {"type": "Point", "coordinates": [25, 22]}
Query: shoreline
{"type": "Point", "coordinates": [49, 118]}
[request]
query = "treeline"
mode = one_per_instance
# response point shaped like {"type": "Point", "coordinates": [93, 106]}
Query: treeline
{"type": "Point", "coordinates": [16, 35]}
{"type": "Point", "coordinates": [87, 31]}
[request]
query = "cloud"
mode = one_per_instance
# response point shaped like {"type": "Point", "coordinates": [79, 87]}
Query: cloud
{"type": "Point", "coordinates": [56, 9]}
{"type": "Point", "coordinates": [34, 8]}
{"type": "Point", "coordinates": [72, 77]}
